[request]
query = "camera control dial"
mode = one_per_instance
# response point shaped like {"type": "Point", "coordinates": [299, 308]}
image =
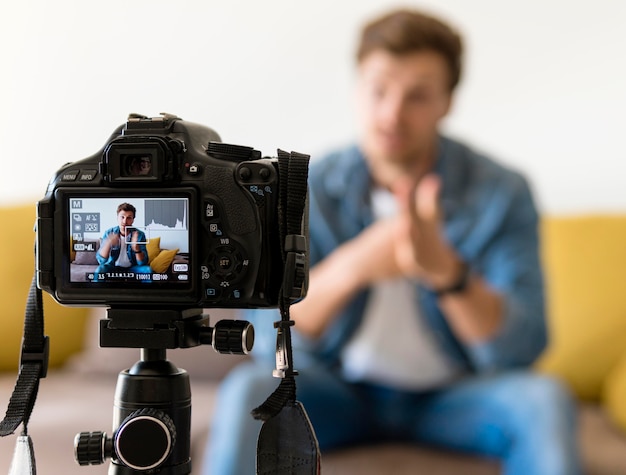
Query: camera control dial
{"type": "Point", "coordinates": [232, 152]}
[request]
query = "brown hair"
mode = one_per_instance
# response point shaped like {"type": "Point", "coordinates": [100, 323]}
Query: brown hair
{"type": "Point", "coordinates": [127, 207]}
{"type": "Point", "coordinates": [407, 31]}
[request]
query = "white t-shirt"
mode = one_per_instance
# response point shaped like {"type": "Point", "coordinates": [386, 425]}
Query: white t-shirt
{"type": "Point", "coordinates": [394, 345]}
{"type": "Point", "coordinates": [123, 260]}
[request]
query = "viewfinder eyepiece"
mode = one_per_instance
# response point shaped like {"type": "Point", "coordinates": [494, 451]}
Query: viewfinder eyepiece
{"type": "Point", "coordinates": [136, 161]}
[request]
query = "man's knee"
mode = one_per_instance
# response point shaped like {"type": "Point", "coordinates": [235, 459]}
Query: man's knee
{"type": "Point", "coordinates": [247, 386]}
{"type": "Point", "coordinates": [542, 399]}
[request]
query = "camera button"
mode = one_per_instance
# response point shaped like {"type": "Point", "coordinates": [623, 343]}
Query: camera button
{"type": "Point", "coordinates": [87, 175]}
{"type": "Point", "coordinates": [265, 173]}
{"type": "Point", "coordinates": [69, 175]}
{"type": "Point", "coordinates": [193, 169]}
{"type": "Point", "coordinates": [245, 173]}
{"type": "Point", "coordinates": [212, 292]}
{"type": "Point", "coordinates": [225, 263]}
{"type": "Point", "coordinates": [210, 209]}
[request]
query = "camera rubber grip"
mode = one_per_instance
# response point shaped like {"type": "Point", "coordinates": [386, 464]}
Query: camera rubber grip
{"type": "Point", "coordinates": [240, 211]}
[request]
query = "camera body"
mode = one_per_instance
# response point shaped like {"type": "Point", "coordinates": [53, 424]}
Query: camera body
{"type": "Point", "coordinates": [165, 215]}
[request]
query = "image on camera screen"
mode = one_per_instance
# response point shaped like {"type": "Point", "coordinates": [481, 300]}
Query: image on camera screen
{"type": "Point", "coordinates": [129, 240]}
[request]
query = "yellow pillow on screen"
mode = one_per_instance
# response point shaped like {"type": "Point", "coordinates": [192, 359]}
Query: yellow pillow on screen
{"type": "Point", "coordinates": [154, 248]}
{"type": "Point", "coordinates": [65, 326]}
{"type": "Point", "coordinates": [161, 263]}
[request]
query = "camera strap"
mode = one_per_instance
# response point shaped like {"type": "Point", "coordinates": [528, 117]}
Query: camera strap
{"type": "Point", "coordinates": [287, 442]}
{"type": "Point", "coordinates": [33, 367]}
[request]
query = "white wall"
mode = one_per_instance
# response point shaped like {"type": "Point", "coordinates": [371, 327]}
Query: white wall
{"type": "Point", "coordinates": [544, 87]}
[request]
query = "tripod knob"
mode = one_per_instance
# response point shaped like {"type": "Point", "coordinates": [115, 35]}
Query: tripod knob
{"type": "Point", "coordinates": [144, 440]}
{"type": "Point", "coordinates": [233, 336]}
{"type": "Point", "coordinates": [90, 448]}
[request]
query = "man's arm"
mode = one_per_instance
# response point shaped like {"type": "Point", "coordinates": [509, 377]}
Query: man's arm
{"type": "Point", "coordinates": [392, 248]}
{"type": "Point", "coordinates": [140, 251]}
{"type": "Point", "coordinates": [499, 316]}
{"type": "Point", "coordinates": [109, 240]}
{"type": "Point", "coordinates": [475, 312]}
{"type": "Point", "coordinates": [335, 280]}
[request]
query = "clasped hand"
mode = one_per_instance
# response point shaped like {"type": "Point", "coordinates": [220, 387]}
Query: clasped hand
{"type": "Point", "coordinates": [113, 240]}
{"type": "Point", "coordinates": [412, 243]}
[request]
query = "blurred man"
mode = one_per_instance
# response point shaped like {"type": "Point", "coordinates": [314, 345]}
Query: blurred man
{"type": "Point", "coordinates": [426, 302]}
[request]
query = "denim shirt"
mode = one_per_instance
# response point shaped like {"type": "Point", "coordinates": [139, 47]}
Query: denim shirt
{"type": "Point", "coordinates": [115, 251]}
{"type": "Point", "coordinates": [489, 218]}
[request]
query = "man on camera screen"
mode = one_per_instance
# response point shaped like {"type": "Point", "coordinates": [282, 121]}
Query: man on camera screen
{"type": "Point", "coordinates": [123, 249]}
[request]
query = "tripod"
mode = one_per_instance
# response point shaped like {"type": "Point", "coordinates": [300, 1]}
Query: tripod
{"type": "Point", "coordinates": [152, 407]}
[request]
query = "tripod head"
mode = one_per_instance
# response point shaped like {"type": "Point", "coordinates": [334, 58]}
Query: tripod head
{"type": "Point", "coordinates": [170, 329]}
{"type": "Point", "coordinates": [152, 407]}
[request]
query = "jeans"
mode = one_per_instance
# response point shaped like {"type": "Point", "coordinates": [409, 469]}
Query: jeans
{"type": "Point", "coordinates": [524, 419]}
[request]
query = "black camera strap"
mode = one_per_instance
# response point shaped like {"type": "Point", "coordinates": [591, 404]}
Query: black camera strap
{"type": "Point", "coordinates": [33, 367]}
{"type": "Point", "coordinates": [287, 442]}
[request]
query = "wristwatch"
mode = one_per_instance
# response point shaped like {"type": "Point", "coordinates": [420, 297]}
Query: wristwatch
{"type": "Point", "coordinates": [458, 286]}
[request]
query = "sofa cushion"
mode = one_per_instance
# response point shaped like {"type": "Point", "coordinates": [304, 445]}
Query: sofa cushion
{"type": "Point", "coordinates": [585, 267]}
{"type": "Point", "coordinates": [162, 262]}
{"type": "Point", "coordinates": [614, 393]}
{"type": "Point", "coordinates": [65, 326]}
{"type": "Point", "coordinates": [87, 258]}
{"type": "Point", "coordinates": [153, 247]}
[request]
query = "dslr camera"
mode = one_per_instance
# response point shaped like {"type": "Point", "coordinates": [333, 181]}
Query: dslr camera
{"type": "Point", "coordinates": [166, 214]}
{"type": "Point", "coordinates": [163, 221]}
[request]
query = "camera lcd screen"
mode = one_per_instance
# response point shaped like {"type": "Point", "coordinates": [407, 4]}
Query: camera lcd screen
{"type": "Point", "coordinates": [129, 241]}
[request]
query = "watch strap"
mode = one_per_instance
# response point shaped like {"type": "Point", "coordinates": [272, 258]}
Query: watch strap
{"type": "Point", "coordinates": [458, 286]}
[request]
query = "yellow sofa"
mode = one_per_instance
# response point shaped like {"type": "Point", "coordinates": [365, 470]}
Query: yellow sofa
{"type": "Point", "coordinates": [65, 326]}
{"type": "Point", "coordinates": [585, 264]}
